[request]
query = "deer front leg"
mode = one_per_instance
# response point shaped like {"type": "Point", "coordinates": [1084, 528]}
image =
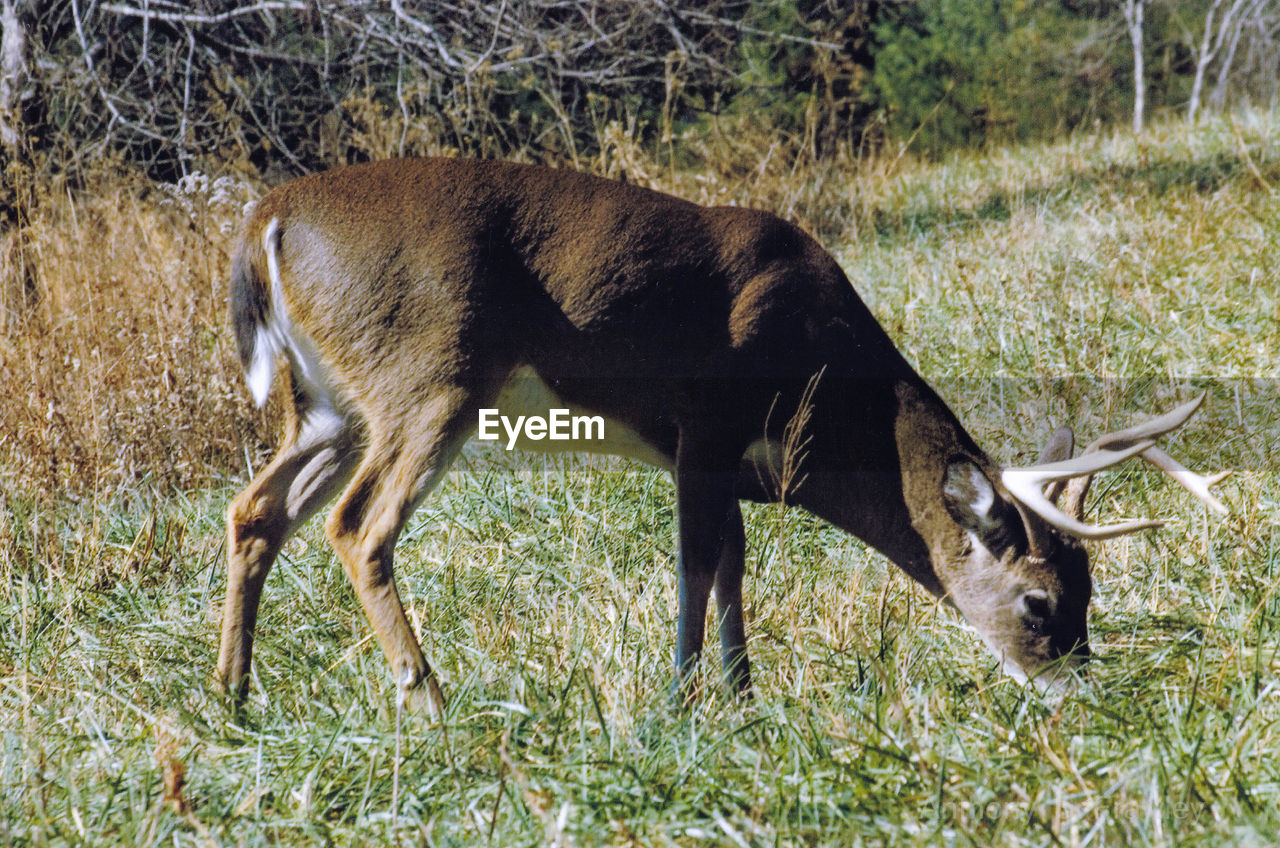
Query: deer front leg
{"type": "Point", "coordinates": [733, 636]}
{"type": "Point", "coordinates": [705, 508]}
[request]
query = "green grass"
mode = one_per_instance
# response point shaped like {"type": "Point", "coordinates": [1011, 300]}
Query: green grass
{"type": "Point", "coordinates": [1085, 281]}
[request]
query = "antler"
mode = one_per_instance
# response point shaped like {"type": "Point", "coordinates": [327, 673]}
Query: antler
{"type": "Point", "coordinates": [1196, 484]}
{"type": "Point", "coordinates": [1027, 484]}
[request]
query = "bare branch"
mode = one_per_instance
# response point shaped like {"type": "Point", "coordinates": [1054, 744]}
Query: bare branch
{"type": "Point", "coordinates": [195, 18]}
{"type": "Point", "coordinates": [179, 80]}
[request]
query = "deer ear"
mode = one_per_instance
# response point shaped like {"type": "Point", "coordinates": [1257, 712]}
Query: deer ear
{"type": "Point", "coordinates": [972, 500]}
{"type": "Point", "coordinates": [1061, 444]}
{"type": "Point", "coordinates": [1060, 447]}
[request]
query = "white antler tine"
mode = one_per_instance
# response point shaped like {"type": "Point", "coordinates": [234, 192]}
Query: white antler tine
{"type": "Point", "coordinates": [1026, 485]}
{"type": "Point", "coordinates": [1150, 429]}
{"type": "Point", "coordinates": [1027, 489]}
{"type": "Point", "coordinates": [1196, 484]}
{"type": "Point", "coordinates": [1086, 463]}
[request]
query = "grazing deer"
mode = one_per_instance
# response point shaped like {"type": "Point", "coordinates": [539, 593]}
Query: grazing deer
{"type": "Point", "coordinates": [406, 296]}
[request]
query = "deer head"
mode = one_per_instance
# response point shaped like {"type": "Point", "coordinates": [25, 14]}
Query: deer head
{"type": "Point", "coordinates": [1009, 552]}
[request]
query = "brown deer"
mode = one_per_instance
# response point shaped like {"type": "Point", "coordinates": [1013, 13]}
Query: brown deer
{"type": "Point", "coordinates": [407, 296]}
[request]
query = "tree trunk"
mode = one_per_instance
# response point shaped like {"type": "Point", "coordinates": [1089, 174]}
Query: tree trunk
{"type": "Point", "coordinates": [1203, 58]}
{"type": "Point", "coordinates": [1254, 8]}
{"type": "Point", "coordinates": [1229, 27]}
{"type": "Point", "coordinates": [13, 74]}
{"type": "Point", "coordinates": [1133, 11]}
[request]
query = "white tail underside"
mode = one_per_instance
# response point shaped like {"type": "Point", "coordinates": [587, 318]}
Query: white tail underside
{"type": "Point", "coordinates": [278, 335]}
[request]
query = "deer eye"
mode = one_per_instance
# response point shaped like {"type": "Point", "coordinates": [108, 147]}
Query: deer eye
{"type": "Point", "coordinates": [1036, 607]}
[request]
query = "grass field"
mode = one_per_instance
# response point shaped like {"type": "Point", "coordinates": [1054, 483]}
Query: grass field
{"type": "Point", "coordinates": [1089, 282]}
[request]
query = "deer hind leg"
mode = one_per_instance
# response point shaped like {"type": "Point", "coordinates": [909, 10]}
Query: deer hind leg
{"type": "Point", "coordinates": [319, 453]}
{"type": "Point", "coordinates": [404, 463]}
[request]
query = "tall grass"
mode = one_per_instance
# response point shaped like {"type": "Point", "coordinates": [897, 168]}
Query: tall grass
{"type": "Point", "coordinates": [115, 365]}
{"type": "Point", "coordinates": [1084, 281]}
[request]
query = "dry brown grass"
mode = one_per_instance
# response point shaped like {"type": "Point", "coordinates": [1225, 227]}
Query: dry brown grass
{"type": "Point", "coordinates": [115, 366]}
{"type": "Point", "coordinates": [831, 193]}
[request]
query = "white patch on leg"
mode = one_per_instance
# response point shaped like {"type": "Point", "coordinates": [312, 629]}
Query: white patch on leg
{"type": "Point", "coordinates": [407, 679]}
{"type": "Point", "coordinates": [768, 459]}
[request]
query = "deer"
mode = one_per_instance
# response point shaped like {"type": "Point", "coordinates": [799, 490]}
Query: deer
{"type": "Point", "coordinates": [397, 299]}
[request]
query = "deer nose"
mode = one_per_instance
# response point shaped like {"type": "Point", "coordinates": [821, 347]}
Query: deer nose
{"type": "Point", "coordinates": [1076, 651]}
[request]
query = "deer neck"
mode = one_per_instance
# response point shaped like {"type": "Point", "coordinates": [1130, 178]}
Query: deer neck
{"type": "Point", "coordinates": [882, 477]}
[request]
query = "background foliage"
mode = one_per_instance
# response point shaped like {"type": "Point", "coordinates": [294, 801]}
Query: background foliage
{"type": "Point", "coordinates": [296, 85]}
